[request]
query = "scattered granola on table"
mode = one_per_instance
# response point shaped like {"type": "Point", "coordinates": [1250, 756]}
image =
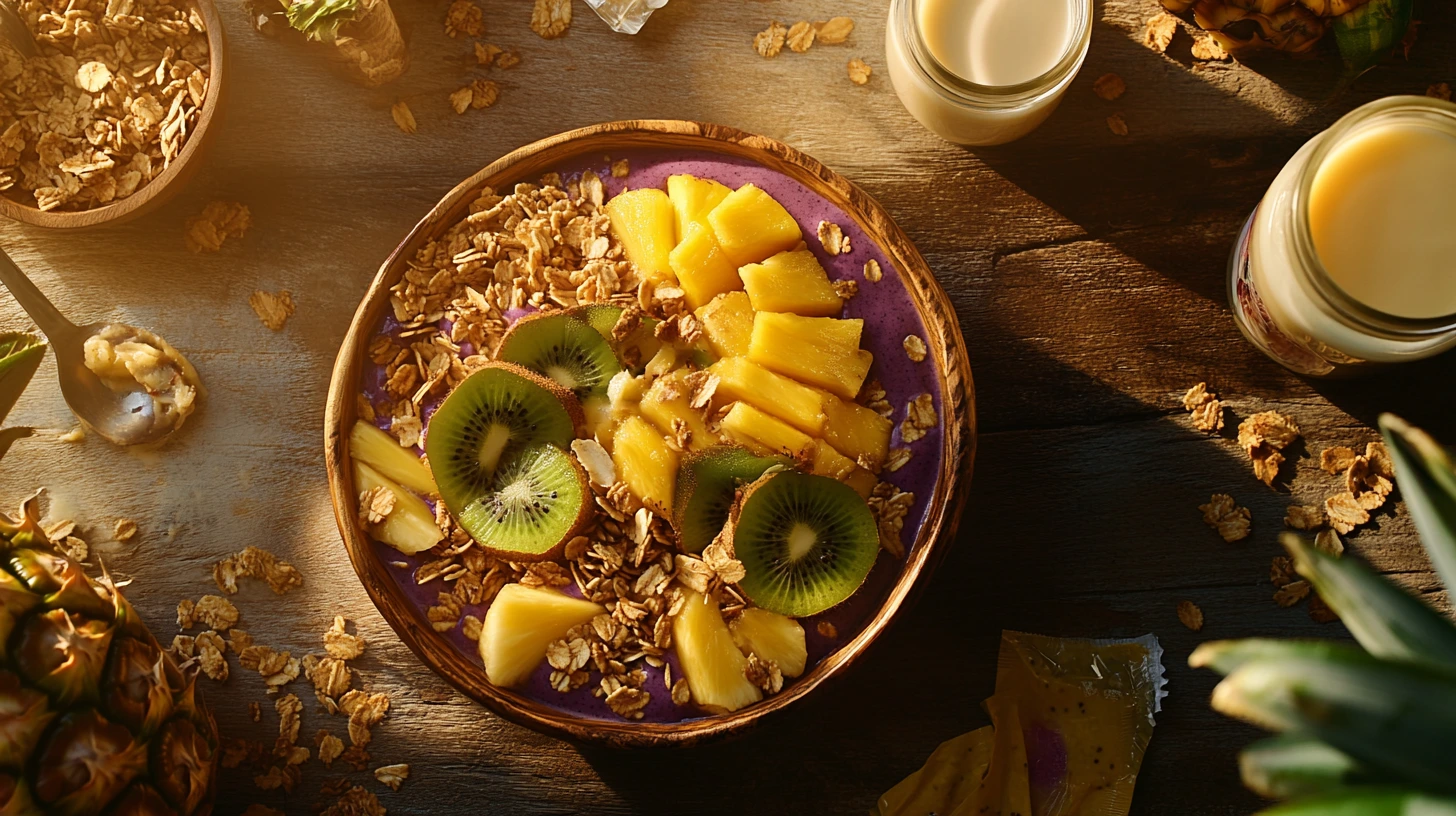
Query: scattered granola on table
{"type": "Point", "coordinates": [1205, 407]}
{"type": "Point", "coordinates": [859, 71]}
{"type": "Point", "coordinates": [1227, 518]}
{"type": "Point", "coordinates": [551, 18]}
{"type": "Point", "coordinates": [834, 31]}
{"type": "Point", "coordinates": [404, 118]}
{"type": "Point", "coordinates": [218, 221]}
{"type": "Point", "coordinates": [1158, 34]}
{"type": "Point", "coordinates": [1117, 125]}
{"type": "Point", "coordinates": [801, 36]}
{"type": "Point", "coordinates": [770, 41]}
{"type": "Point", "coordinates": [1190, 615]}
{"type": "Point", "coordinates": [273, 309]}
{"type": "Point", "coordinates": [125, 356]}
{"type": "Point", "coordinates": [1109, 87]}
{"type": "Point", "coordinates": [1263, 436]}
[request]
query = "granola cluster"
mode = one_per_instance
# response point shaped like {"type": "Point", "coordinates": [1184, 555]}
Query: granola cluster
{"type": "Point", "coordinates": [114, 94]}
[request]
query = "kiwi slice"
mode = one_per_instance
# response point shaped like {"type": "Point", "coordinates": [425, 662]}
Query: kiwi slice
{"type": "Point", "coordinates": [563, 348]}
{"type": "Point", "coordinates": [635, 349]}
{"type": "Point", "coordinates": [806, 542]}
{"type": "Point", "coordinates": [534, 505]}
{"type": "Point", "coordinates": [707, 483]}
{"type": "Point", "coordinates": [496, 415]}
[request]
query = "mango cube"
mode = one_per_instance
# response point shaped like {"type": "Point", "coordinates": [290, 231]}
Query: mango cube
{"type": "Point", "coordinates": [646, 225]}
{"type": "Point", "coordinates": [791, 282]}
{"type": "Point", "coordinates": [857, 431]}
{"type": "Point", "coordinates": [728, 324]}
{"type": "Point", "coordinates": [751, 226]}
{"type": "Point", "coordinates": [667, 400]}
{"type": "Point", "coordinates": [819, 351]}
{"type": "Point", "coordinates": [702, 269]}
{"type": "Point", "coordinates": [765, 434]}
{"type": "Point", "coordinates": [742, 380]}
{"type": "Point", "coordinates": [645, 463]}
{"type": "Point", "coordinates": [692, 199]}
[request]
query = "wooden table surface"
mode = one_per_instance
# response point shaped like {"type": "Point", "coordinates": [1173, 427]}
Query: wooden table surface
{"type": "Point", "coordinates": [1088, 273]}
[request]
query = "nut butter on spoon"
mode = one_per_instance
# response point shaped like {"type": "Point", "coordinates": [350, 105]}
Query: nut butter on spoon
{"type": "Point", "coordinates": [124, 383]}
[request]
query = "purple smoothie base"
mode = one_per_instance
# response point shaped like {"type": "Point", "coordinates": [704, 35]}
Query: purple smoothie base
{"type": "Point", "coordinates": [889, 314]}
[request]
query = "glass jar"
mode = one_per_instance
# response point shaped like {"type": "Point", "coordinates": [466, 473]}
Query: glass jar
{"type": "Point", "coordinates": [1283, 299]}
{"type": "Point", "coordinates": [965, 112]}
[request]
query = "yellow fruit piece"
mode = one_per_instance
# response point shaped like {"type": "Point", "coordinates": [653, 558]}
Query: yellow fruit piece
{"type": "Point", "coordinates": [819, 351]}
{"type": "Point", "coordinates": [862, 481]}
{"type": "Point", "coordinates": [791, 282]}
{"type": "Point", "coordinates": [644, 222]}
{"type": "Point", "coordinates": [742, 380]}
{"type": "Point", "coordinates": [384, 453]}
{"type": "Point", "coordinates": [751, 226]}
{"type": "Point", "coordinates": [856, 431]}
{"type": "Point", "coordinates": [728, 324]}
{"type": "Point", "coordinates": [410, 527]}
{"type": "Point", "coordinates": [692, 199]}
{"type": "Point", "coordinates": [710, 661]}
{"type": "Point", "coordinates": [702, 269]}
{"type": "Point", "coordinates": [771, 636]}
{"type": "Point", "coordinates": [645, 463]}
{"type": "Point", "coordinates": [766, 434]}
{"type": "Point", "coordinates": [521, 623]}
{"type": "Point", "coordinates": [667, 400]}
{"type": "Point", "coordinates": [829, 462]}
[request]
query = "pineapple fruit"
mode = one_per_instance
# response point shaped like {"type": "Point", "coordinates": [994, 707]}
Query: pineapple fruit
{"type": "Point", "coordinates": [791, 282]}
{"type": "Point", "coordinates": [692, 199]}
{"type": "Point", "coordinates": [765, 434]}
{"type": "Point", "coordinates": [667, 400]}
{"type": "Point", "coordinates": [646, 463]}
{"type": "Point", "coordinates": [382, 452]}
{"type": "Point", "coordinates": [820, 351]}
{"type": "Point", "coordinates": [751, 226]}
{"type": "Point", "coordinates": [646, 225]}
{"type": "Point", "coordinates": [710, 660]}
{"type": "Point", "coordinates": [410, 527]}
{"type": "Point", "coordinates": [728, 324]}
{"type": "Point", "coordinates": [521, 623]}
{"type": "Point", "coordinates": [702, 269]}
{"type": "Point", "coordinates": [94, 716]}
{"type": "Point", "coordinates": [742, 380]}
{"type": "Point", "coordinates": [857, 431]}
{"type": "Point", "coordinates": [773, 637]}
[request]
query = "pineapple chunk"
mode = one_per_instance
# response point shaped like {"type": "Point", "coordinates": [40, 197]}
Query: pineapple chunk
{"type": "Point", "coordinates": [829, 462]}
{"type": "Point", "coordinates": [701, 267]}
{"type": "Point", "coordinates": [410, 527]}
{"type": "Point", "coordinates": [791, 282]}
{"type": "Point", "coordinates": [644, 222]}
{"type": "Point", "coordinates": [862, 481]}
{"type": "Point", "coordinates": [771, 636]}
{"type": "Point", "coordinates": [765, 434]}
{"type": "Point", "coordinates": [742, 380]}
{"type": "Point", "coordinates": [856, 431]}
{"type": "Point", "coordinates": [710, 660]}
{"type": "Point", "coordinates": [820, 351]}
{"type": "Point", "coordinates": [383, 452]}
{"type": "Point", "coordinates": [751, 226]}
{"type": "Point", "coordinates": [645, 463]}
{"type": "Point", "coordinates": [624, 393]}
{"type": "Point", "coordinates": [728, 324]}
{"type": "Point", "coordinates": [667, 400]}
{"type": "Point", "coordinates": [521, 623]}
{"type": "Point", "coordinates": [692, 199]}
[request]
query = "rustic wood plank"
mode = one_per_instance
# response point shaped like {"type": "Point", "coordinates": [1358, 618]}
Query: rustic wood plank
{"type": "Point", "coordinates": [1087, 270]}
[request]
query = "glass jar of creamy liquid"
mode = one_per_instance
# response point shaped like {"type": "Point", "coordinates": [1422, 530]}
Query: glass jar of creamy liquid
{"type": "Point", "coordinates": [985, 72]}
{"type": "Point", "coordinates": [1349, 262]}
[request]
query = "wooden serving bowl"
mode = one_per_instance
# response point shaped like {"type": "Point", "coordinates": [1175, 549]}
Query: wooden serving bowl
{"type": "Point", "coordinates": [169, 181]}
{"type": "Point", "coordinates": [947, 353]}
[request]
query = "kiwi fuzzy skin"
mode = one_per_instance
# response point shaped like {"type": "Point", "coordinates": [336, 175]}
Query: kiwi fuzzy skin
{"type": "Point", "coordinates": [568, 400]}
{"type": "Point", "coordinates": [584, 517]}
{"type": "Point", "coordinates": [687, 482]}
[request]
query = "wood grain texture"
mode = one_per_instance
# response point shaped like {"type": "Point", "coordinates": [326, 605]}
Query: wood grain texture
{"type": "Point", "coordinates": [171, 180]}
{"type": "Point", "coordinates": [1086, 271]}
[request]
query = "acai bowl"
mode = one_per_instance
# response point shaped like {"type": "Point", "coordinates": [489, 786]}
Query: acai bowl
{"type": "Point", "coordinates": [615, 492]}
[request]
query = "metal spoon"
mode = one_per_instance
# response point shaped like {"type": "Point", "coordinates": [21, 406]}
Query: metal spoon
{"type": "Point", "coordinates": [14, 31]}
{"type": "Point", "coordinates": [121, 417]}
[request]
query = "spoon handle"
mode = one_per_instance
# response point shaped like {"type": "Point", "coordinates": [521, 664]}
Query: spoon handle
{"type": "Point", "coordinates": [56, 327]}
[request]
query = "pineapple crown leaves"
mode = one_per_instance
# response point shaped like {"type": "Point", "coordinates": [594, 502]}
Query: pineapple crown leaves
{"type": "Point", "coordinates": [1367, 730]}
{"type": "Point", "coordinates": [20, 356]}
{"type": "Point", "coordinates": [320, 20]}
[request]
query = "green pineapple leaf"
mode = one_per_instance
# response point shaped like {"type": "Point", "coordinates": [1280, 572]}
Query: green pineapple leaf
{"type": "Point", "coordinates": [320, 19]}
{"type": "Point", "coordinates": [1397, 719]}
{"type": "Point", "coordinates": [1386, 620]}
{"type": "Point", "coordinates": [1367, 803]}
{"type": "Point", "coordinates": [1293, 765]}
{"type": "Point", "coordinates": [1370, 33]}
{"type": "Point", "coordinates": [20, 356]}
{"type": "Point", "coordinates": [1428, 482]}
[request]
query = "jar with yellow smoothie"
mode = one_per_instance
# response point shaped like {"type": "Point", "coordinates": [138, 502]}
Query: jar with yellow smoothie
{"type": "Point", "coordinates": [1349, 262]}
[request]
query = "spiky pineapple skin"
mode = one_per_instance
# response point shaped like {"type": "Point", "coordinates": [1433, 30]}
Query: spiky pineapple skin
{"type": "Point", "coordinates": [94, 716]}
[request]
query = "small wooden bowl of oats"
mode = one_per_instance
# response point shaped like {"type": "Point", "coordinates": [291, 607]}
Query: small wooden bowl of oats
{"type": "Point", "coordinates": [435, 313]}
{"type": "Point", "coordinates": [116, 161]}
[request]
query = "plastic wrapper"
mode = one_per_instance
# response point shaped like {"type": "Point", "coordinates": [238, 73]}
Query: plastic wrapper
{"type": "Point", "coordinates": [1071, 720]}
